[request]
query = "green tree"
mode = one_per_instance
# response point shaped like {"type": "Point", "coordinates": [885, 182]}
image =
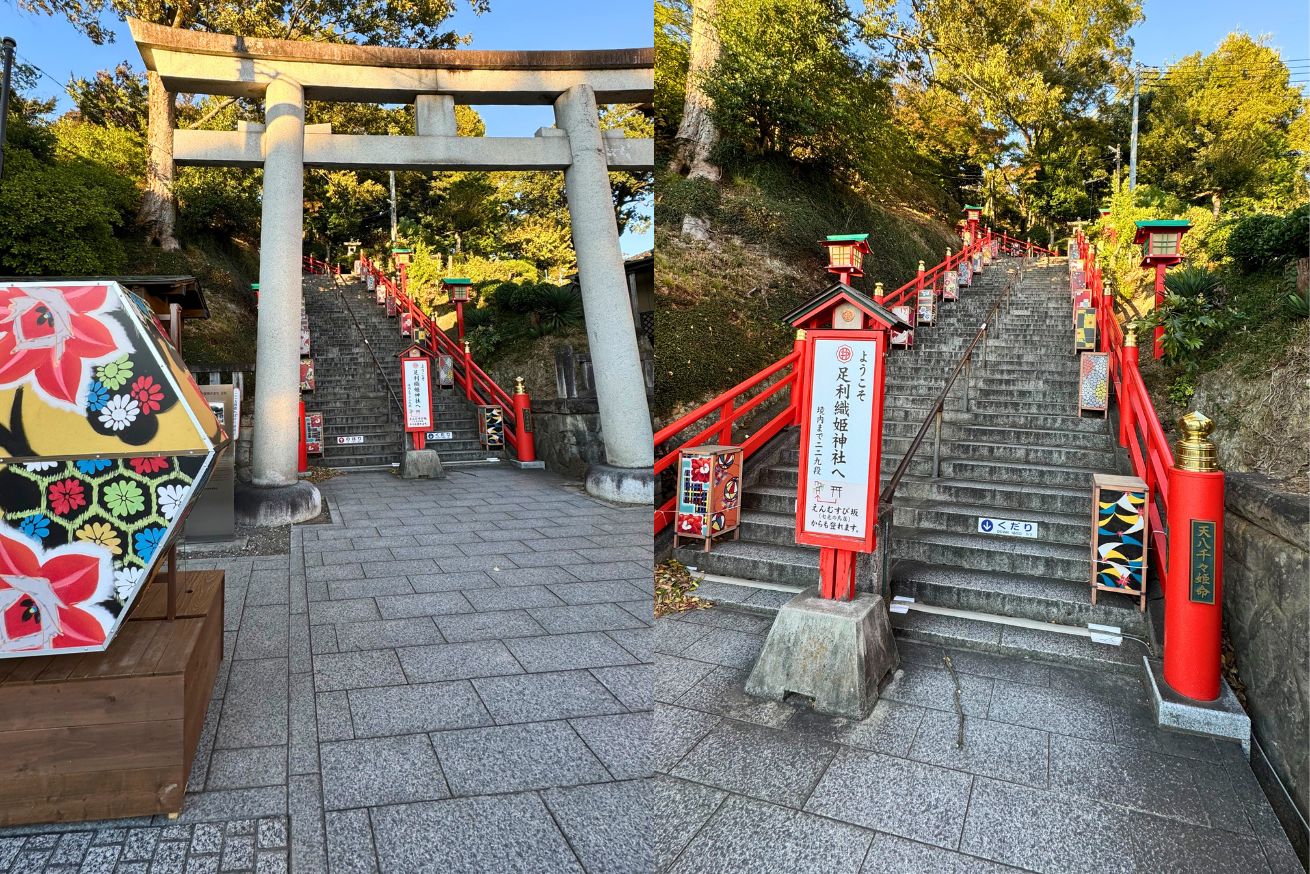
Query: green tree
{"type": "Point", "coordinates": [788, 82]}
{"type": "Point", "coordinates": [114, 98]}
{"type": "Point", "coordinates": [1227, 127]}
{"type": "Point", "coordinates": [375, 22]}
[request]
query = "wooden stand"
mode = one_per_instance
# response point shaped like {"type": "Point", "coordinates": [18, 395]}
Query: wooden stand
{"type": "Point", "coordinates": [112, 734]}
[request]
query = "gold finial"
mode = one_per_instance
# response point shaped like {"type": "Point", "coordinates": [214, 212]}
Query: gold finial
{"type": "Point", "coordinates": [1196, 451]}
{"type": "Point", "coordinates": [948, 254]}
{"type": "Point", "coordinates": [877, 290]}
{"type": "Point", "coordinates": [518, 386]}
{"type": "Point", "coordinates": [1130, 337]}
{"type": "Point", "coordinates": [466, 347]}
{"type": "Point", "coordinates": [800, 333]}
{"type": "Point", "coordinates": [920, 266]}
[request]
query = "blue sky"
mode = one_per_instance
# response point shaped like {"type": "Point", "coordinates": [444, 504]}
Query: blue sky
{"type": "Point", "coordinates": [55, 47]}
{"type": "Point", "coordinates": [1174, 28]}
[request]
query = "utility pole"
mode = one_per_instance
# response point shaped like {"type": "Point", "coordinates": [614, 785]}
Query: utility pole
{"type": "Point", "coordinates": [1132, 146]}
{"type": "Point", "coordinates": [7, 46]}
{"type": "Point", "coordinates": [392, 173]}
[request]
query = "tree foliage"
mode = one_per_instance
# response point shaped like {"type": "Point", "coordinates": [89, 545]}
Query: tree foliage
{"type": "Point", "coordinates": [1227, 127]}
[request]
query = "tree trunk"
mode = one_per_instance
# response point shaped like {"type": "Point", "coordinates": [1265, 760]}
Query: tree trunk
{"type": "Point", "coordinates": [697, 133]}
{"type": "Point", "coordinates": [1214, 203]}
{"type": "Point", "coordinates": [158, 209]}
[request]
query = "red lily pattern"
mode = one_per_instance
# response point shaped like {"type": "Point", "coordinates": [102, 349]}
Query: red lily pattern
{"type": "Point", "coordinates": [51, 337]}
{"type": "Point", "coordinates": [47, 600]}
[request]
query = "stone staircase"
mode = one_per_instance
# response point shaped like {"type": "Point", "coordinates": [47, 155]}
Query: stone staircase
{"type": "Point", "coordinates": [344, 324]}
{"type": "Point", "coordinates": [1019, 452]}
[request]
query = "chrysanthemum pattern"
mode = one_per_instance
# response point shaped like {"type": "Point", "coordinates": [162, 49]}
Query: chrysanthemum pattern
{"type": "Point", "coordinates": [124, 505]}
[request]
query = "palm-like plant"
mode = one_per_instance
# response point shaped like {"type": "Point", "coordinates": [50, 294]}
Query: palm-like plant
{"type": "Point", "coordinates": [558, 307]}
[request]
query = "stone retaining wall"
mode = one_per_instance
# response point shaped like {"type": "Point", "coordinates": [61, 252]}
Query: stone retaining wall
{"type": "Point", "coordinates": [1266, 608]}
{"type": "Point", "coordinates": [568, 435]}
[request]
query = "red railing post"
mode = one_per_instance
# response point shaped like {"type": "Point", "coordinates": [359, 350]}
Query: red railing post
{"type": "Point", "coordinates": [1128, 363]}
{"type": "Point", "coordinates": [1193, 588]}
{"type": "Point", "coordinates": [468, 371]}
{"type": "Point", "coordinates": [1158, 347]}
{"type": "Point", "coordinates": [797, 398]}
{"type": "Point", "coordinates": [725, 423]}
{"type": "Point", "coordinates": [527, 444]}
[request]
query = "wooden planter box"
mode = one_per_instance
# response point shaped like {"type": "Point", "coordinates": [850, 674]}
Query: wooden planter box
{"type": "Point", "coordinates": [112, 734]}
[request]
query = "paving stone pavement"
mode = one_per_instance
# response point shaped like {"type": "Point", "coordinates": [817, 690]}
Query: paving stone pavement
{"type": "Point", "coordinates": [452, 676]}
{"type": "Point", "coordinates": [1061, 770]}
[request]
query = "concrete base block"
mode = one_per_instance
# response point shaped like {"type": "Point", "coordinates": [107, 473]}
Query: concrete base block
{"type": "Point", "coordinates": [270, 506]}
{"type": "Point", "coordinates": [421, 463]}
{"type": "Point", "coordinates": [528, 465]}
{"type": "Point", "coordinates": [835, 652]}
{"type": "Point", "coordinates": [1223, 718]}
{"type": "Point", "coordinates": [623, 485]}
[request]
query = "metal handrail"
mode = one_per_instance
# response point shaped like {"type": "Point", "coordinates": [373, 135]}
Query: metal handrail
{"type": "Point", "coordinates": [887, 495]}
{"type": "Point", "coordinates": [371, 354]}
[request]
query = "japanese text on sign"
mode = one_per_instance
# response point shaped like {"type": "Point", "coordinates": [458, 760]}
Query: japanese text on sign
{"type": "Point", "coordinates": [841, 413]}
{"type": "Point", "coordinates": [418, 394]}
{"type": "Point", "coordinates": [1202, 580]}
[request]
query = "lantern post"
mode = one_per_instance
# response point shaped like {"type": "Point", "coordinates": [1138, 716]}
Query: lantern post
{"type": "Point", "coordinates": [1161, 249]}
{"type": "Point", "coordinates": [458, 289]}
{"type": "Point", "coordinates": [973, 213]}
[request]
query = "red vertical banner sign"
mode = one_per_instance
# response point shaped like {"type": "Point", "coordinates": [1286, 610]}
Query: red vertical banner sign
{"type": "Point", "coordinates": [841, 451]}
{"type": "Point", "coordinates": [416, 385]}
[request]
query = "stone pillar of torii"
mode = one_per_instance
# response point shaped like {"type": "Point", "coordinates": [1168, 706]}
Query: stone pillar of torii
{"type": "Point", "coordinates": [287, 73]}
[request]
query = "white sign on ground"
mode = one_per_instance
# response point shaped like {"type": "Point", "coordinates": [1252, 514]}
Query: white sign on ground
{"type": "Point", "coordinates": [440, 435]}
{"type": "Point", "coordinates": [355, 438]}
{"type": "Point", "coordinates": [1008, 527]}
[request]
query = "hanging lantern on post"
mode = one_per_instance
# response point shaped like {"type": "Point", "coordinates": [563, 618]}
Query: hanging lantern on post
{"type": "Point", "coordinates": [1161, 242]}
{"type": "Point", "coordinates": [846, 255]}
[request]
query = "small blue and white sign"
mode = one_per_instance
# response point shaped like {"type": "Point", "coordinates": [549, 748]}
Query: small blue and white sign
{"type": "Point", "coordinates": [1008, 527]}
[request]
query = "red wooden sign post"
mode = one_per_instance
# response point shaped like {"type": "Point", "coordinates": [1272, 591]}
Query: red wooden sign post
{"type": "Point", "coordinates": [416, 386]}
{"type": "Point", "coordinates": [840, 451]}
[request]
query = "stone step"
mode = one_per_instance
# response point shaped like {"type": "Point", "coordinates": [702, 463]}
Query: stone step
{"type": "Point", "coordinates": [1040, 646]}
{"type": "Point", "coordinates": [1064, 602]}
{"type": "Point", "coordinates": [1034, 558]}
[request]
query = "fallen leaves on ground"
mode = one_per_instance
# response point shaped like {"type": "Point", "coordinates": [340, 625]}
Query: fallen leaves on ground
{"type": "Point", "coordinates": [674, 586]}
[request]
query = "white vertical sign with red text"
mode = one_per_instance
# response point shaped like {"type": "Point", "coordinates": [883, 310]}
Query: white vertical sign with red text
{"type": "Point", "coordinates": [841, 439]}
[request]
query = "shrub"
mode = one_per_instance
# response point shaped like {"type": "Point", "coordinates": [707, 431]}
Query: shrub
{"type": "Point", "coordinates": [1189, 324]}
{"type": "Point", "coordinates": [1260, 241]}
{"type": "Point", "coordinates": [557, 307]}
{"type": "Point", "coordinates": [1193, 281]}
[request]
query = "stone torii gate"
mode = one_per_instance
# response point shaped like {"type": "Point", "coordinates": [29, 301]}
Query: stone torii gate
{"type": "Point", "coordinates": [286, 73]}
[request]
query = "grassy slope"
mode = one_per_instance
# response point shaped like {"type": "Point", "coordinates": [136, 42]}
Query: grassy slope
{"type": "Point", "coordinates": [1252, 382]}
{"type": "Point", "coordinates": [225, 271]}
{"type": "Point", "coordinates": [720, 303]}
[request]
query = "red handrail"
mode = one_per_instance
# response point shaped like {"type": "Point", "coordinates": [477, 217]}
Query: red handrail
{"type": "Point", "coordinates": [477, 385]}
{"type": "Point", "coordinates": [1140, 432]}
{"type": "Point", "coordinates": [717, 418]}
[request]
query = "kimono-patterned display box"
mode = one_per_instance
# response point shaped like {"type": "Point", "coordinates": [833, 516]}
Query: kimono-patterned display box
{"type": "Point", "coordinates": [709, 493]}
{"type": "Point", "coordinates": [1119, 530]}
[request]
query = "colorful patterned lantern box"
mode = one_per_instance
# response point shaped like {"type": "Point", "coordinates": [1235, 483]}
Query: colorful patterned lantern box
{"type": "Point", "coordinates": [445, 370]}
{"type": "Point", "coordinates": [307, 374]}
{"type": "Point", "coordinates": [903, 338]}
{"type": "Point", "coordinates": [380, 292]}
{"type": "Point", "coordinates": [709, 493]}
{"type": "Point", "coordinates": [314, 433]}
{"type": "Point", "coordinates": [1119, 532]}
{"type": "Point", "coordinates": [951, 286]}
{"type": "Point", "coordinates": [1082, 297]}
{"type": "Point", "coordinates": [1093, 382]}
{"type": "Point", "coordinates": [491, 426]}
{"type": "Point", "coordinates": [304, 330]}
{"type": "Point", "coordinates": [406, 323]}
{"type": "Point", "coordinates": [964, 274]}
{"type": "Point", "coordinates": [105, 443]}
{"type": "Point", "coordinates": [926, 313]}
{"type": "Point", "coordinates": [391, 305]}
{"type": "Point", "coordinates": [1084, 334]}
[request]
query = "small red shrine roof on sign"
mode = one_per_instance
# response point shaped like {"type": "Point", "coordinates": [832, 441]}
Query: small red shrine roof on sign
{"type": "Point", "coordinates": [839, 293]}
